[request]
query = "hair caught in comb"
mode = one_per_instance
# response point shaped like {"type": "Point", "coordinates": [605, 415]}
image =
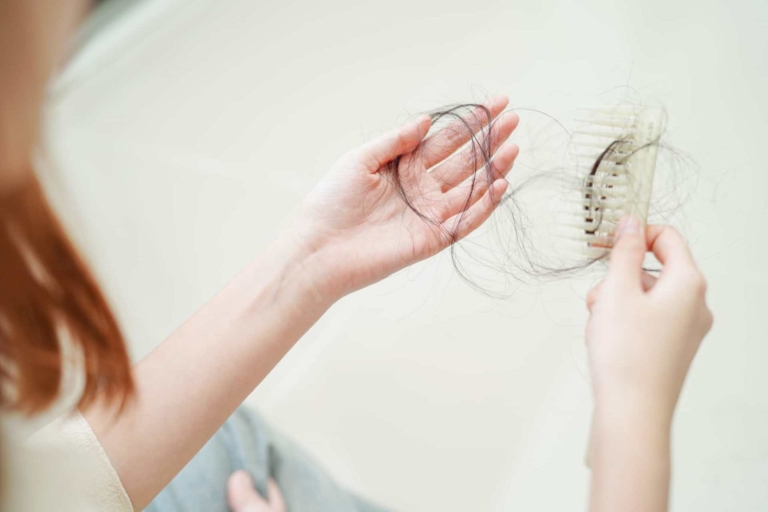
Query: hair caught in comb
{"type": "Point", "coordinates": [524, 252]}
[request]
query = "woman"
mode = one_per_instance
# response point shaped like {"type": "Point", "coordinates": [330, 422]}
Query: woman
{"type": "Point", "coordinates": [140, 427]}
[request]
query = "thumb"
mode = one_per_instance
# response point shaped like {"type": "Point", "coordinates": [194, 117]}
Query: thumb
{"type": "Point", "coordinates": [382, 150]}
{"type": "Point", "coordinates": [626, 264]}
{"type": "Point", "coordinates": [242, 497]}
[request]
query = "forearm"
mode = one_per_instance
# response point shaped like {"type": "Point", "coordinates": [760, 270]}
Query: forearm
{"type": "Point", "coordinates": [194, 380]}
{"type": "Point", "coordinates": [630, 459]}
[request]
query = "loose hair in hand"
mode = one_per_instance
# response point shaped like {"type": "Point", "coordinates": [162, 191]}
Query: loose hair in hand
{"type": "Point", "coordinates": [522, 245]}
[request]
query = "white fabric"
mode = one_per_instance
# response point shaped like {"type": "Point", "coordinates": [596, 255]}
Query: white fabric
{"type": "Point", "coordinates": [61, 467]}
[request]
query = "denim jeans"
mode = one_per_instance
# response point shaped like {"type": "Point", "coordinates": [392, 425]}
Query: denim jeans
{"type": "Point", "coordinates": [247, 442]}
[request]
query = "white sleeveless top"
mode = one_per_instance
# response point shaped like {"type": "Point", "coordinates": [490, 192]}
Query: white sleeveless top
{"type": "Point", "coordinates": [62, 468]}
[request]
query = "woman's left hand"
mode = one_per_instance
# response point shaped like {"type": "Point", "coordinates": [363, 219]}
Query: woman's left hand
{"type": "Point", "coordinates": [353, 230]}
{"type": "Point", "coordinates": [359, 227]}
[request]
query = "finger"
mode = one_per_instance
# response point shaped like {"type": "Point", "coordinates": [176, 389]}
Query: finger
{"type": "Point", "coordinates": [648, 282]}
{"type": "Point", "coordinates": [477, 155]}
{"type": "Point", "coordinates": [275, 496]}
{"type": "Point", "coordinates": [594, 295]}
{"type": "Point", "coordinates": [460, 198]}
{"type": "Point", "coordinates": [626, 260]}
{"type": "Point", "coordinates": [242, 497]}
{"type": "Point", "coordinates": [708, 321]}
{"type": "Point", "coordinates": [669, 247]}
{"type": "Point", "coordinates": [505, 158]}
{"type": "Point", "coordinates": [466, 222]}
{"type": "Point", "coordinates": [445, 142]}
{"type": "Point", "coordinates": [679, 268]}
{"type": "Point", "coordinates": [385, 148]}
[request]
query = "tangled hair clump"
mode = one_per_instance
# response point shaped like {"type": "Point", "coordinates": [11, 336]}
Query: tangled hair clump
{"type": "Point", "coordinates": [522, 246]}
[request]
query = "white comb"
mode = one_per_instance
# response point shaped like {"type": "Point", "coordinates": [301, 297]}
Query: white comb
{"type": "Point", "coordinates": [614, 156]}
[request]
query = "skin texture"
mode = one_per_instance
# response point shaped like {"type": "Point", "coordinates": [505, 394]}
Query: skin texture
{"type": "Point", "coordinates": [353, 230]}
{"type": "Point", "coordinates": [642, 336]}
{"type": "Point", "coordinates": [243, 498]}
{"type": "Point", "coordinates": [355, 218]}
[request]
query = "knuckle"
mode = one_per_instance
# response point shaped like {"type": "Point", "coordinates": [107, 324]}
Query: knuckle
{"type": "Point", "coordinates": [698, 283]}
{"type": "Point", "coordinates": [691, 280]}
{"type": "Point", "coordinates": [625, 251]}
{"type": "Point", "coordinates": [630, 243]}
{"type": "Point", "coordinates": [710, 320]}
{"type": "Point", "coordinates": [592, 297]}
{"type": "Point", "coordinates": [671, 232]}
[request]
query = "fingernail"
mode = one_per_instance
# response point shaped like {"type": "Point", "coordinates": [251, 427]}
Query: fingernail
{"type": "Point", "coordinates": [629, 225]}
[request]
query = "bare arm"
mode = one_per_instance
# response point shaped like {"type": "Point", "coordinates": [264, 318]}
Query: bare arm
{"type": "Point", "coordinates": [189, 386]}
{"type": "Point", "coordinates": [630, 458]}
{"type": "Point", "coordinates": [353, 230]}
{"type": "Point", "coordinates": [643, 334]}
{"type": "Point", "coordinates": [194, 380]}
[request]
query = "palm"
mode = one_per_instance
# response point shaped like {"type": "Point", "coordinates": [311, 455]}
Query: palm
{"type": "Point", "coordinates": [358, 213]}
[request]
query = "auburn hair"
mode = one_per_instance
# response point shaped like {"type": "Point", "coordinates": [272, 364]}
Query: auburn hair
{"type": "Point", "coordinates": [48, 297]}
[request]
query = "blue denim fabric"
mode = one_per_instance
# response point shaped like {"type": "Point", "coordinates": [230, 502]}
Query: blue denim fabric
{"type": "Point", "coordinates": [247, 442]}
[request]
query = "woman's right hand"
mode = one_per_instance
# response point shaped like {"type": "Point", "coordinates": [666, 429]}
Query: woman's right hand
{"type": "Point", "coordinates": [643, 332]}
{"type": "Point", "coordinates": [642, 335]}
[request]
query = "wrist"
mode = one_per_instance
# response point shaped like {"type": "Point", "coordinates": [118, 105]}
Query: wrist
{"type": "Point", "coordinates": [630, 456]}
{"type": "Point", "coordinates": [324, 260]}
{"type": "Point", "coordinates": [292, 271]}
{"type": "Point", "coordinates": [648, 395]}
{"type": "Point", "coordinates": [627, 412]}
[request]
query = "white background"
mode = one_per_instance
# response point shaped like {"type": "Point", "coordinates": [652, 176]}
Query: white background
{"type": "Point", "coordinates": [186, 135]}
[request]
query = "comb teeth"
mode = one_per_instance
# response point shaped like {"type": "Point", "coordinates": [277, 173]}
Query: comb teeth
{"type": "Point", "coordinates": [580, 248]}
{"type": "Point", "coordinates": [613, 168]}
{"type": "Point", "coordinates": [609, 121]}
{"type": "Point", "coordinates": [594, 142]}
{"type": "Point", "coordinates": [606, 204]}
{"type": "Point", "coordinates": [597, 194]}
{"type": "Point", "coordinates": [592, 240]}
{"type": "Point", "coordinates": [610, 180]}
{"type": "Point", "coordinates": [620, 110]}
{"type": "Point", "coordinates": [617, 157]}
{"type": "Point", "coordinates": [610, 135]}
{"type": "Point", "coordinates": [623, 139]}
{"type": "Point", "coordinates": [601, 218]}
